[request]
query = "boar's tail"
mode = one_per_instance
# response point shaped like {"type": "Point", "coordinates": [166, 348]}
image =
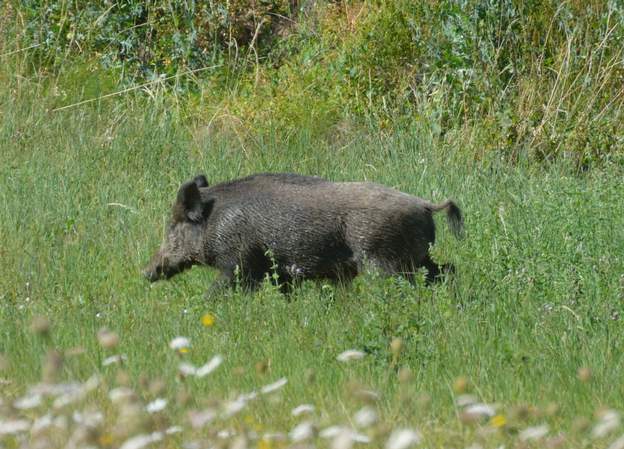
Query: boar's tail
{"type": "Point", "coordinates": [453, 216]}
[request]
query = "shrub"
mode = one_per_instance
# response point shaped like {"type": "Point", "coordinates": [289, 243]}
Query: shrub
{"type": "Point", "coordinates": [522, 77]}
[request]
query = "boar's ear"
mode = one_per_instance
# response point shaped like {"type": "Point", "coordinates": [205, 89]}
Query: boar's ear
{"type": "Point", "coordinates": [201, 181]}
{"type": "Point", "coordinates": [188, 204]}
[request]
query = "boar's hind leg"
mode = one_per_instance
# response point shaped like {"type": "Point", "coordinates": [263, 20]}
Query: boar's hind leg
{"type": "Point", "coordinates": [435, 271]}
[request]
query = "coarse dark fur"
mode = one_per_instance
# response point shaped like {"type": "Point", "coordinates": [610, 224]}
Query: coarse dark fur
{"type": "Point", "coordinates": [310, 228]}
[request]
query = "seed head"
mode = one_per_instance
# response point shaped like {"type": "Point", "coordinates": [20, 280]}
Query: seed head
{"type": "Point", "coordinates": [157, 387]}
{"type": "Point", "coordinates": [580, 424]}
{"type": "Point", "coordinates": [123, 378]}
{"type": "Point", "coordinates": [584, 374]}
{"type": "Point", "coordinates": [262, 366]}
{"type": "Point", "coordinates": [309, 376]}
{"type": "Point", "coordinates": [52, 365]}
{"type": "Point", "coordinates": [107, 339]}
{"type": "Point", "coordinates": [461, 384]}
{"type": "Point", "coordinates": [558, 441]}
{"type": "Point", "coordinates": [40, 325]}
{"type": "Point", "coordinates": [395, 346]}
{"type": "Point", "coordinates": [405, 375]}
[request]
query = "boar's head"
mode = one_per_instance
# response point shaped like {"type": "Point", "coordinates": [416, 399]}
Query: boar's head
{"type": "Point", "coordinates": [183, 243]}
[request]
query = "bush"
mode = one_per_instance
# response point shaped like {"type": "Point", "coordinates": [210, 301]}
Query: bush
{"type": "Point", "coordinates": [533, 78]}
{"type": "Point", "coordinates": [147, 38]}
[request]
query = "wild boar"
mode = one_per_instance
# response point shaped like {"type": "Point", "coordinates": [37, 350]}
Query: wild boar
{"type": "Point", "coordinates": [300, 227]}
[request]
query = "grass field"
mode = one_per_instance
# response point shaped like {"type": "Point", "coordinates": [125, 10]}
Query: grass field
{"type": "Point", "coordinates": [530, 324]}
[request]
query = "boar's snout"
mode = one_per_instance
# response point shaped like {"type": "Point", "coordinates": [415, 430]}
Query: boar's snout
{"type": "Point", "coordinates": [152, 275]}
{"type": "Point", "coordinates": [154, 271]}
{"type": "Point", "coordinates": [161, 268]}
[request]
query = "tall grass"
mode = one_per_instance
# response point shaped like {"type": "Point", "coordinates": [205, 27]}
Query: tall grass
{"type": "Point", "coordinates": [85, 194]}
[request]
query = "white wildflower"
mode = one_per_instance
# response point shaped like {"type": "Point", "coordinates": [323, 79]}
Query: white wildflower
{"type": "Point", "coordinates": [617, 444]}
{"type": "Point", "coordinates": [120, 394]}
{"type": "Point", "coordinates": [156, 405]}
{"type": "Point", "coordinates": [28, 402]}
{"type": "Point", "coordinates": [89, 419]}
{"type": "Point", "coordinates": [343, 437]}
{"type": "Point", "coordinates": [233, 407]}
{"type": "Point", "coordinates": [349, 355]}
{"type": "Point", "coordinates": [403, 439]}
{"type": "Point", "coordinates": [66, 399]}
{"type": "Point", "coordinates": [173, 430]}
{"type": "Point", "coordinates": [302, 432]}
{"type": "Point", "coordinates": [209, 367]}
{"type": "Point", "coordinates": [117, 358]}
{"type": "Point", "coordinates": [534, 433]}
{"type": "Point", "coordinates": [225, 433]}
{"type": "Point", "coordinates": [41, 423]}
{"type": "Point", "coordinates": [248, 396]}
{"type": "Point", "coordinates": [609, 421]}
{"type": "Point", "coordinates": [238, 442]}
{"type": "Point", "coordinates": [368, 395]}
{"type": "Point", "coordinates": [302, 409]}
{"type": "Point", "coordinates": [54, 389]}
{"type": "Point", "coordinates": [192, 445]}
{"type": "Point", "coordinates": [331, 431]}
{"type": "Point", "coordinates": [359, 438]}
{"type": "Point", "coordinates": [141, 441]}
{"type": "Point", "coordinates": [480, 410]}
{"type": "Point", "coordinates": [274, 436]}
{"type": "Point", "coordinates": [180, 343]}
{"type": "Point", "coordinates": [78, 394]}
{"type": "Point", "coordinates": [187, 369]}
{"type": "Point", "coordinates": [365, 417]}
{"type": "Point", "coordinates": [199, 419]}
{"type": "Point", "coordinates": [13, 427]}
{"type": "Point", "coordinates": [91, 384]}
{"type": "Point", "coordinates": [342, 441]}
{"type": "Point", "coordinates": [274, 386]}
{"type": "Point", "coordinates": [466, 399]}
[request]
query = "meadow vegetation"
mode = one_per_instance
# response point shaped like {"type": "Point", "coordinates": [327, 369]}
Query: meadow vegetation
{"type": "Point", "coordinates": [512, 108]}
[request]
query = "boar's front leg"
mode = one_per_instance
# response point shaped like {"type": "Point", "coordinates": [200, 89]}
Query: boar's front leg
{"type": "Point", "coordinates": [224, 281]}
{"type": "Point", "coordinates": [227, 279]}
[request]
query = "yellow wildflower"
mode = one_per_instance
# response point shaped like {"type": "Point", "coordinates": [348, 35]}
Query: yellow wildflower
{"type": "Point", "coordinates": [105, 440]}
{"type": "Point", "coordinates": [208, 319]}
{"type": "Point", "coordinates": [498, 421]}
